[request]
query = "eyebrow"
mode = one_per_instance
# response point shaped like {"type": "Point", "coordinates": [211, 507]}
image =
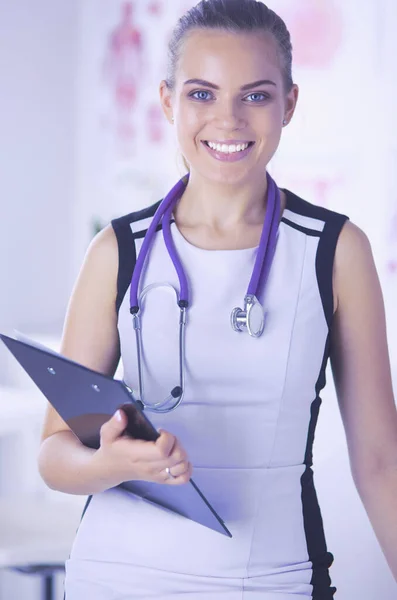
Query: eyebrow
{"type": "Point", "coordinates": [247, 86]}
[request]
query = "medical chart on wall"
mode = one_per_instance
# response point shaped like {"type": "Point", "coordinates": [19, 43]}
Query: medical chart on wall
{"type": "Point", "coordinates": [127, 154]}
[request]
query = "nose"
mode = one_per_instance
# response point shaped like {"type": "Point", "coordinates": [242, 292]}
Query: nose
{"type": "Point", "coordinates": [229, 115]}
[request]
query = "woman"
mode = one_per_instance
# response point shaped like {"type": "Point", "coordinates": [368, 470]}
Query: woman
{"type": "Point", "coordinates": [250, 405]}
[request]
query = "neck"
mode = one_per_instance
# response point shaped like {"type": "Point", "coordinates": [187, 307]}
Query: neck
{"type": "Point", "coordinates": [222, 206]}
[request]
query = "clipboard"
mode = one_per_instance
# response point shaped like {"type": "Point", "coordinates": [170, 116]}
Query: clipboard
{"type": "Point", "coordinates": [86, 399]}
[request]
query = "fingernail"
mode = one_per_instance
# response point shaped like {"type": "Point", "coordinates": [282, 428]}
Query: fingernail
{"type": "Point", "coordinates": [118, 415]}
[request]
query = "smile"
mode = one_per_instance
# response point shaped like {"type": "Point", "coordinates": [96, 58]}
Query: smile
{"type": "Point", "coordinates": [228, 148]}
{"type": "Point", "coordinates": [228, 152]}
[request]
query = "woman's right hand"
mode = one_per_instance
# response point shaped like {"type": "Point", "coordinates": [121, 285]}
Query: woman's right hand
{"type": "Point", "coordinates": [121, 458]}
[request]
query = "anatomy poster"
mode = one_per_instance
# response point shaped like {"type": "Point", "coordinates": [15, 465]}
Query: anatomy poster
{"type": "Point", "coordinates": [123, 76]}
{"type": "Point", "coordinates": [127, 154]}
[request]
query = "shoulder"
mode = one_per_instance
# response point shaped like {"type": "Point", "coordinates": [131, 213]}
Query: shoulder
{"type": "Point", "coordinates": [344, 243]}
{"type": "Point", "coordinates": [100, 264]}
{"type": "Point", "coordinates": [352, 246]}
{"type": "Point", "coordinates": [353, 242]}
{"type": "Point", "coordinates": [328, 226]}
{"type": "Point", "coordinates": [134, 221]}
{"type": "Point", "coordinates": [102, 248]}
{"type": "Point", "coordinates": [319, 217]}
{"type": "Point", "coordinates": [354, 261]}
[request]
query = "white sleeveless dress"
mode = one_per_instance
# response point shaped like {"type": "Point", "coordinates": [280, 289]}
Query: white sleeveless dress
{"type": "Point", "coordinates": [247, 422]}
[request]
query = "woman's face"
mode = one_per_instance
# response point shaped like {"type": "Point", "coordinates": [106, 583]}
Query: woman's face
{"type": "Point", "coordinates": [222, 106]}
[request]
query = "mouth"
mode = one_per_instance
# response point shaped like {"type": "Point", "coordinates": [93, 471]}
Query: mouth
{"type": "Point", "coordinates": [229, 147]}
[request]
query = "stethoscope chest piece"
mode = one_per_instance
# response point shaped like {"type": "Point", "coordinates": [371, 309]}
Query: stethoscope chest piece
{"type": "Point", "coordinates": [251, 318]}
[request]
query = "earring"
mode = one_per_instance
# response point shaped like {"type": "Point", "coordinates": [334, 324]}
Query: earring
{"type": "Point", "coordinates": [285, 122]}
{"type": "Point", "coordinates": [172, 119]}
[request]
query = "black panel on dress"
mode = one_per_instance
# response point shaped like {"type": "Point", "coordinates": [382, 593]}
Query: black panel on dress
{"type": "Point", "coordinates": [126, 245]}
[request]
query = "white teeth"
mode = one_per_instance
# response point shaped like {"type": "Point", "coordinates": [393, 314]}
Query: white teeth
{"type": "Point", "coordinates": [227, 149]}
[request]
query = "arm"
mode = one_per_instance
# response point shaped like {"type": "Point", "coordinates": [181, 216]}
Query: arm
{"type": "Point", "coordinates": [90, 337]}
{"type": "Point", "coordinates": [361, 370]}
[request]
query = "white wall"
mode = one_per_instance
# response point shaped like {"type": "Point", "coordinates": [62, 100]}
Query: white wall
{"type": "Point", "coordinates": [37, 137]}
{"type": "Point", "coordinates": [37, 125]}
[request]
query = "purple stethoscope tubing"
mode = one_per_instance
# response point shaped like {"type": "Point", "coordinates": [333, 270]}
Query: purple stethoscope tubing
{"type": "Point", "coordinates": [173, 195]}
{"type": "Point", "coordinates": [169, 242]}
{"type": "Point", "coordinates": [275, 211]}
{"type": "Point", "coordinates": [267, 244]}
{"type": "Point", "coordinates": [241, 318]}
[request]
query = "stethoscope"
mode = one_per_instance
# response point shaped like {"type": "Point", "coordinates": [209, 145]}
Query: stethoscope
{"type": "Point", "coordinates": [251, 318]}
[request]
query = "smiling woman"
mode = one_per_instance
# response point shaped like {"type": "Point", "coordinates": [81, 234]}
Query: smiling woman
{"type": "Point", "coordinates": [208, 101]}
{"type": "Point", "coordinates": [229, 91]}
{"type": "Point", "coordinates": [250, 378]}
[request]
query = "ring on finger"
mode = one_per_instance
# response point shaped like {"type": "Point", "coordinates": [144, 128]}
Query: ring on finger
{"type": "Point", "coordinates": [170, 475]}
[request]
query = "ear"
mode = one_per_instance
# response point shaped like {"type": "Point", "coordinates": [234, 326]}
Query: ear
{"type": "Point", "coordinates": [166, 101]}
{"type": "Point", "coordinates": [291, 102]}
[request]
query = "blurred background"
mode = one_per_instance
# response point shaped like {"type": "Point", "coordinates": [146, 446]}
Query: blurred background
{"type": "Point", "coordinates": [83, 140]}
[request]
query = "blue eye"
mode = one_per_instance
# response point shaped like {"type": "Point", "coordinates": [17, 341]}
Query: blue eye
{"type": "Point", "coordinates": [193, 94]}
{"type": "Point", "coordinates": [263, 96]}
